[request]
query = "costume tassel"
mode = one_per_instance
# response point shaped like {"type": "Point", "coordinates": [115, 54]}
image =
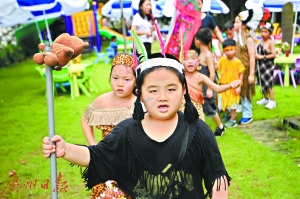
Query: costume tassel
{"type": "Point", "coordinates": [138, 112]}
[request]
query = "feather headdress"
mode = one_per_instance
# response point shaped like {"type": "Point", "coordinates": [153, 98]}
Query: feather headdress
{"type": "Point", "coordinates": [161, 42]}
{"type": "Point", "coordinates": [136, 63]}
{"type": "Point", "coordinates": [143, 56]}
{"type": "Point", "coordinates": [252, 17]}
{"type": "Point", "coordinates": [254, 14]}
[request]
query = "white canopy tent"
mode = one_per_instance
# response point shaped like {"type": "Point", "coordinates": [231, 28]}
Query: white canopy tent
{"type": "Point", "coordinates": [214, 6]}
{"type": "Point", "coordinates": [113, 8]}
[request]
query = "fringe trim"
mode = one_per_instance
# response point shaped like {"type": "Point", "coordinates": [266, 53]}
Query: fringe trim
{"type": "Point", "coordinates": [150, 180]}
{"type": "Point", "coordinates": [85, 178]}
{"type": "Point", "coordinates": [106, 116]}
{"type": "Point", "coordinates": [228, 178]}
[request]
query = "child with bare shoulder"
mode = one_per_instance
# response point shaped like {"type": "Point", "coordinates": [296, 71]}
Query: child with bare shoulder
{"type": "Point", "coordinates": [112, 107]}
{"type": "Point", "coordinates": [266, 54]}
{"type": "Point", "coordinates": [195, 81]}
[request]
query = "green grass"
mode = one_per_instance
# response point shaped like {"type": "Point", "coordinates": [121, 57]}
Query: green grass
{"type": "Point", "coordinates": [296, 49]}
{"type": "Point", "coordinates": [256, 170]}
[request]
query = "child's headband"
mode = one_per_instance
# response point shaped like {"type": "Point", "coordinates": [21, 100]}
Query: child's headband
{"type": "Point", "coordinates": [160, 62]}
{"type": "Point", "coordinates": [193, 51]}
{"type": "Point", "coordinates": [267, 26]}
{"type": "Point", "coordinates": [229, 48]}
{"type": "Point", "coordinates": [123, 59]}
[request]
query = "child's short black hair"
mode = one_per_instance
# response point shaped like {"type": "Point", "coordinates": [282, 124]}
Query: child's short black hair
{"type": "Point", "coordinates": [228, 25]}
{"type": "Point", "coordinates": [228, 42]}
{"type": "Point", "coordinates": [113, 38]}
{"type": "Point", "coordinates": [204, 35]}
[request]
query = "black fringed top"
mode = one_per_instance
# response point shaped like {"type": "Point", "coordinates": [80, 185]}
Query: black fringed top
{"type": "Point", "coordinates": [145, 168]}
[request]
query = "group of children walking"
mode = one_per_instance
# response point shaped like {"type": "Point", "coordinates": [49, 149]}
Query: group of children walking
{"type": "Point", "coordinates": [155, 141]}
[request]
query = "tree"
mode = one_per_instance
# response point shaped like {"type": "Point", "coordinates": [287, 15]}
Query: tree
{"type": "Point", "coordinates": [235, 8]}
{"type": "Point", "coordinates": [287, 23]}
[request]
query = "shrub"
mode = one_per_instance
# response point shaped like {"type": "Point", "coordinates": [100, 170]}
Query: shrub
{"type": "Point", "coordinates": [11, 54]}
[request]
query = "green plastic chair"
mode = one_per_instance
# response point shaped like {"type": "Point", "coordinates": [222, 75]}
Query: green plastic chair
{"type": "Point", "coordinates": [39, 69]}
{"type": "Point", "coordinates": [85, 81]}
{"type": "Point", "coordinates": [59, 78]}
{"type": "Point", "coordinates": [42, 74]}
{"type": "Point", "coordinates": [63, 76]}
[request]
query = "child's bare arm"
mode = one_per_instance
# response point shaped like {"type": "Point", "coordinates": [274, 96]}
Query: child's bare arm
{"type": "Point", "coordinates": [238, 89]}
{"type": "Point", "coordinates": [251, 54]}
{"type": "Point", "coordinates": [218, 88]}
{"type": "Point", "coordinates": [211, 66]}
{"type": "Point", "coordinates": [88, 132]}
{"type": "Point", "coordinates": [241, 78]}
{"type": "Point", "coordinates": [212, 71]}
{"type": "Point", "coordinates": [272, 49]}
{"type": "Point", "coordinates": [79, 155]}
{"type": "Point", "coordinates": [220, 192]}
{"type": "Point", "coordinates": [218, 34]}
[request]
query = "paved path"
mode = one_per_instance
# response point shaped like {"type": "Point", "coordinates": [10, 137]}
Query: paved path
{"type": "Point", "coordinates": [267, 132]}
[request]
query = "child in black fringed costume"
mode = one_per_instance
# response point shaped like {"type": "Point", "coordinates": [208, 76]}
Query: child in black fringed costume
{"type": "Point", "coordinates": [162, 153]}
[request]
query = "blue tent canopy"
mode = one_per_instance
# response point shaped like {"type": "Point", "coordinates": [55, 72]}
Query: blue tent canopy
{"type": "Point", "coordinates": [276, 5]}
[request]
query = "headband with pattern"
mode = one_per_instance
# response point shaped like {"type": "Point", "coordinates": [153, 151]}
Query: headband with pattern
{"type": "Point", "coordinates": [123, 59]}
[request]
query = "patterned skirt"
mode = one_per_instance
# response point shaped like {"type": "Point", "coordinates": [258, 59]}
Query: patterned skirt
{"type": "Point", "coordinates": [265, 75]}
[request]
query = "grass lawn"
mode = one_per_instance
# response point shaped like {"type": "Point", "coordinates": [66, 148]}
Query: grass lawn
{"type": "Point", "coordinates": [256, 170]}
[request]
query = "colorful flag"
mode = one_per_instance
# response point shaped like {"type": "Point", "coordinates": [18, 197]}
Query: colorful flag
{"type": "Point", "coordinates": [186, 20]}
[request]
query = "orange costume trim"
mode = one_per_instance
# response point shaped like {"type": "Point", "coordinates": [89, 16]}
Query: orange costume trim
{"type": "Point", "coordinates": [227, 48]}
{"type": "Point", "coordinates": [196, 94]}
{"type": "Point", "coordinates": [197, 99]}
